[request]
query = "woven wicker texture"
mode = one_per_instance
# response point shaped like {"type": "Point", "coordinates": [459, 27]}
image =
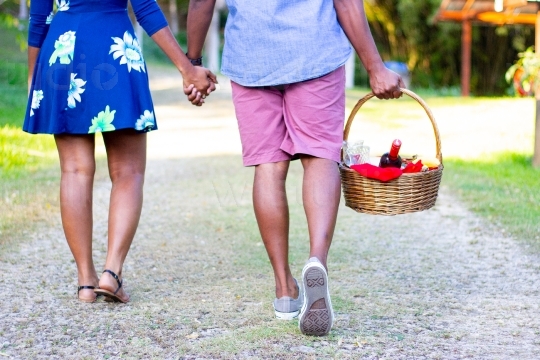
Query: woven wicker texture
{"type": "Point", "coordinates": [410, 192]}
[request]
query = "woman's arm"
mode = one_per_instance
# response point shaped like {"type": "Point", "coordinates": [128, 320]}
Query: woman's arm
{"type": "Point", "coordinates": [38, 27]}
{"type": "Point", "coordinates": [384, 83]}
{"type": "Point", "coordinates": [151, 18]}
{"type": "Point", "coordinates": [202, 78]}
{"type": "Point", "coordinates": [32, 58]}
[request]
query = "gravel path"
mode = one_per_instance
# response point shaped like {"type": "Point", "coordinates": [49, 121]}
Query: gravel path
{"type": "Point", "coordinates": [440, 284]}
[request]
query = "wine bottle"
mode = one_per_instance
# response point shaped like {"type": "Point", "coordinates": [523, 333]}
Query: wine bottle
{"type": "Point", "coordinates": [391, 158]}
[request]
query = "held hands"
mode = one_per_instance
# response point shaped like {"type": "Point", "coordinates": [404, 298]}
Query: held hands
{"type": "Point", "coordinates": [199, 82]}
{"type": "Point", "coordinates": [386, 84]}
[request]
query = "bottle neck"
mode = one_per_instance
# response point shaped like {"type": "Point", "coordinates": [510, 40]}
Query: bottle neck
{"type": "Point", "coordinates": [394, 150]}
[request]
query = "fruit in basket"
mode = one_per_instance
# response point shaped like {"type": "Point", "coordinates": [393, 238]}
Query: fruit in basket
{"type": "Point", "coordinates": [431, 163]}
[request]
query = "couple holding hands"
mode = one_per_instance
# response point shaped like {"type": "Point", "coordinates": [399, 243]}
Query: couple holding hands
{"type": "Point", "coordinates": [285, 59]}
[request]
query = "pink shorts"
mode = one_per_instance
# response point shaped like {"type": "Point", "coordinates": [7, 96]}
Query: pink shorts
{"type": "Point", "coordinates": [303, 118]}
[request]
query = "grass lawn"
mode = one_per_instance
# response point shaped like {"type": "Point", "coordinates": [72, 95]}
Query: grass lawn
{"type": "Point", "coordinates": [28, 175]}
{"type": "Point", "coordinates": [19, 150]}
{"type": "Point", "coordinates": [504, 188]}
{"type": "Point", "coordinates": [13, 75]}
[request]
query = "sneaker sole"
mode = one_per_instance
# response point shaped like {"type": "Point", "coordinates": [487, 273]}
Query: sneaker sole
{"type": "Point", "coordinates": [316, 322]}
{"type": "Point", "coordinates": [286, 316]}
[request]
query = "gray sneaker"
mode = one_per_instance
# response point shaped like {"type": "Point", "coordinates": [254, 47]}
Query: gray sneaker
{"type": "Point", "coordinates": [316, 316]}
{"type": "Point", "coordinates": [287, 308]}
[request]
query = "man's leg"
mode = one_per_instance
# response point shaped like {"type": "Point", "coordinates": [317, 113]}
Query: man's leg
{"type": "Point", "coordinates": [321, 191]}
{"type": "Point", "coordinates": [321, 194]}
{"type": "Point", "coordinates": [262, 131]}
{"type": "Point", "coordinates": [315, 130]}
{"type": "Point", "coordinates": [272, 213]}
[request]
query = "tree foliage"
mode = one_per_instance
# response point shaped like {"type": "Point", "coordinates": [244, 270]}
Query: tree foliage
{"type": "Point", "coordinates": [523, 75]}
{"type": "Point", "coordinates": [405, 30]}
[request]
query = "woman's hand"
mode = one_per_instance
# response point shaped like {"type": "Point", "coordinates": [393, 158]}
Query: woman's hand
{"type": "Point", "coordinates": [199, 82]}
{"type": "Point", "coordinates": [202, 80]}
{"type": "Point", "coordinates": [194, 96]}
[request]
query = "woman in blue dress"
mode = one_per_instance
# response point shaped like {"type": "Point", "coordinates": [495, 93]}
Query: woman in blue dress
{"type": "Point", "coordinates": [88, 75]}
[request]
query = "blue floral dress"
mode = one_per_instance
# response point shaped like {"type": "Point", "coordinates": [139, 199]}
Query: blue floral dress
{"type": "Point", "coordinates": [90, 75]}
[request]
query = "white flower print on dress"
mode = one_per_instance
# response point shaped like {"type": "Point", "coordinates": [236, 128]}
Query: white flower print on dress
{"type": "Point", "coordinates": [75, 90]}
{"type": "Point", "coordinates": [103, 121]}
{"type": "Point", "coordinates": [129, 52]}
{"type": "Point", "coordinates": [62, 5]}
{"type": "Point", "coordinates": [37, 96]}
{"type": "Point", "coordinates": [64, 48]}
{"type": "Point", "coordinates": [49, 18]}
{"type": "Point", "coordinates": [146, 121]}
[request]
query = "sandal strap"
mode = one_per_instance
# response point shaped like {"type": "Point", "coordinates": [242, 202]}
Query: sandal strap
{"type": "Point", "coordinates": [85, 287]}
{"type": "Point", "coordinates": [115, 278]}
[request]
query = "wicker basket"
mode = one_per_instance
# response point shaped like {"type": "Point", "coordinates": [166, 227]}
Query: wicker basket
{"type": "Point", "coordinates": [408, 193]}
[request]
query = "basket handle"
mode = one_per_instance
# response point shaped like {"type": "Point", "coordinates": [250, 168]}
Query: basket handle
{"type": "Point", "coordinates": [363, 100]}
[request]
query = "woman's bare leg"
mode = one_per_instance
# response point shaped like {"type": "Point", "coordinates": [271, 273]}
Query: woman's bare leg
{"type": "Point", "coordinates": [126, 155]}
{"type": "Point", "coordinates": [77, 165]}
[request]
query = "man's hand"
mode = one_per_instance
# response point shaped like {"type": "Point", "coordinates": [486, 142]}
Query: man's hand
{"type": "Point", "coordinates": [193, 95]}
{"type": "Point", "coordinates": [385, 83]}
{"type": "Point", "coordinates": [198, 84]}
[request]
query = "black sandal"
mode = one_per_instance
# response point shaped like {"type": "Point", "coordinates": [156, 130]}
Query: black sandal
{"type": "Point", "coordinates": [82, 287]}
{"type": "Point", "coordinates": [111, 296]}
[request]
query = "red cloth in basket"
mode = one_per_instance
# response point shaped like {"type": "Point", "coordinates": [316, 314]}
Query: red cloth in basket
{"type": "Point", "coordinates": [377, 173]}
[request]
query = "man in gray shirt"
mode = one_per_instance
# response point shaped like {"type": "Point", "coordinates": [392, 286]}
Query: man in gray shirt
{"type": "Point", "coordinates": [285, 59]}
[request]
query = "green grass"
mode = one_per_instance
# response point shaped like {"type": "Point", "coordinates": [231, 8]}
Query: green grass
{"type": "Point", "coordinates": [28, 173]}
{"type": "Point", "coordinates": [504, 188]}
{"type": "Point", "coordinates": [19, 152]}
{"type": "Point", "coordinates": [13, 77]}
{"type": "Point", "coordinates": [27, 197]}
{"type": "Point", "coordinates": [12, 105]}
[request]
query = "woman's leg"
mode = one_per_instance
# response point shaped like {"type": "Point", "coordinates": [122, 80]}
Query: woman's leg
{"type": "Point", "coordinates": [77, 167]}
{"type": "Point", "coordinates": [272, 213]}
{"type": "Point", "coordinates": [126, 156]}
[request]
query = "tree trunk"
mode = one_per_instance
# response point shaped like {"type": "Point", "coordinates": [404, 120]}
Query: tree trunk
{"type": "Point", "coordinates": [23, 10]}
{"type": "Point", "coordinates": [466, 40]}
{"type": "Point", "coordinates": [536, 154]}
{"type": "Point", "coordinates": [213, 41]}
{"type": "Point", "coordinates": [212, 44]}
{"type": "Point", "coordinates": [173, 12]}
{"type": "Point", "coordinates": [536, 151]}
